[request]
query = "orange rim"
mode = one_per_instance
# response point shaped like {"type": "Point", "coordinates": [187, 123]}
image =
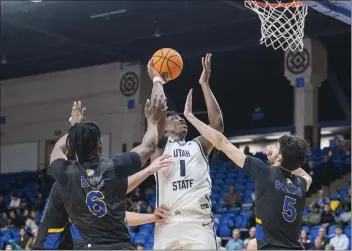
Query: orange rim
{"type": "Point", "coordinates": [275, 5]}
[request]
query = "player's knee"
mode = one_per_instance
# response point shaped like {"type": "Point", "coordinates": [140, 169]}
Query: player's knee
{"type": "Point", "coordinates": [252, 244]}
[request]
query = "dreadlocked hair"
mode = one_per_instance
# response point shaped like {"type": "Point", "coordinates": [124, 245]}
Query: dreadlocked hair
{"type": "Point", "coordinates": [83, 140]}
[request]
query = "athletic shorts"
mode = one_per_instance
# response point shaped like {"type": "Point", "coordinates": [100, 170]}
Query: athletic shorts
{"type": "Point", "coordinates": [185, 235]}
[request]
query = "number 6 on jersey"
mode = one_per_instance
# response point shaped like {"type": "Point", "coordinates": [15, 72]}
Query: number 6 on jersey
{"type": "Point", "coordinates": [95, 203]}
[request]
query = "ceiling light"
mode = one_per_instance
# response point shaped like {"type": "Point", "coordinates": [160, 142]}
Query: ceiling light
{"type": "Point", "coordinates": [325, 132]}
{"type": "Point", "coordinates": [107, 14]}
{"type": "Point", "coordinates": [241, 140]}
{"type": "Point", "coordinates": [272, 137]}
{"type": "Point", "coordinates": [157, 34]}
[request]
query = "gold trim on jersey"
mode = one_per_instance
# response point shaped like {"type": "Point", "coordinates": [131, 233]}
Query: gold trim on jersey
{"type": "Point", "coordinates": [55, 230]}
{"type": "Point", "coordinates": [259, 221]}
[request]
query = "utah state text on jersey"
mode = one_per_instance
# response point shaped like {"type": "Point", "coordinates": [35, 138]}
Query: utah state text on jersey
{"type": "Point", "coordinates": [184, 183]}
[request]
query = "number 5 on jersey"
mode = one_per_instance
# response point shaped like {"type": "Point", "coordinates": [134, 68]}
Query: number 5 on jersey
{"type": "Point", "coordinates": [289, 211]}
{"type": "Point", "coordinates": [96, 204]}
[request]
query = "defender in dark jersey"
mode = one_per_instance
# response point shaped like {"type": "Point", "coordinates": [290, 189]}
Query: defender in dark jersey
{"type": "Point", "coordinates": [54, 230]}
{"type": "Point", "coordinates": [279, 187]}
{"type": "Point", "coordinates": [94, 188]}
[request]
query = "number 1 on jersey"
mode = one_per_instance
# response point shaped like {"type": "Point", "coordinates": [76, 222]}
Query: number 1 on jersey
{"type": "Point", "coordinates": [182, 168]}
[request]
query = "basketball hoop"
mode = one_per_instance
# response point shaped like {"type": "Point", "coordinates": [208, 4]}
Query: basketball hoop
{"type": "Point", "coordinates": [282, 23]}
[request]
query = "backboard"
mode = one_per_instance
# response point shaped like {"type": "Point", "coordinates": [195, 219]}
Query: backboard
{"type": "Point", "coordinates": [339, 9]}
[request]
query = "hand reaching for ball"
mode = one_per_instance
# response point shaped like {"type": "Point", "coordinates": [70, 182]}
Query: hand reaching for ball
{"type": "Point", "coordinates": [151, 71]}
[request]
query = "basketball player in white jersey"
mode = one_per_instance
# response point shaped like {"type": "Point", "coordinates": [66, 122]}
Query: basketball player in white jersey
{"type": "Point", "coordinates": [185, 187]}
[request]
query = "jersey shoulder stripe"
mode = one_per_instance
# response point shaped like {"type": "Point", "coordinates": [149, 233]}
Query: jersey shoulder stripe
{"type": "Point", "coordinates": [201, 149]}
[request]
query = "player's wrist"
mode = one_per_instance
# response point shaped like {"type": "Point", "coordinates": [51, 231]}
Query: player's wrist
{"type": "Point", "coordinates": [152, 122]}
{"type": "Point", "coordinates": [158, 79]}
{"type": "Point", "coordinates": [203, 82]}
{"type": "Point", "coordinates": [149, 170]}
{"type": "Point", "coordinates": [189, 116]}
{"type": "Point", "coordinates": [152, 218]}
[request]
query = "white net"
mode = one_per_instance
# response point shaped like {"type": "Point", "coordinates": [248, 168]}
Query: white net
{"type": "Point", "coordinates": [282, 23]}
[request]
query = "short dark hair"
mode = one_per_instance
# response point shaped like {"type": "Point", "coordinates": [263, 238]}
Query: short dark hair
{"type": "Point", "coordinates": [171, 113]}
{"type": "Point", "coordinates": [294, 151]}
{"type": "Point", "coordinates": [83, 140]}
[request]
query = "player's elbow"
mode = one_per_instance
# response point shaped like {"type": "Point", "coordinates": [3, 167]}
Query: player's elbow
{"type": "Point", "coordinates": [220, 141]}
{"type": "Point", "coordinates": [309, 181]}
{"type": "Point", "coordinates": [218, 124]}
{"type": "Point", "coordinates": [148, 149]}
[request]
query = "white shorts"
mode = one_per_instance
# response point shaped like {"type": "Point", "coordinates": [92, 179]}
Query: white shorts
{"type": "Point", "coordinates": [185, 235]}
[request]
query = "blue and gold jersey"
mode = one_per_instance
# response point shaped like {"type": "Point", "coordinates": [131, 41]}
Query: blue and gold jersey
{"type": "Point", "coordinates": [54, 231]}
{"type": "Point", "coordinates": [279, 205]}
{"type": "Point", "coordinates": [94, 195]}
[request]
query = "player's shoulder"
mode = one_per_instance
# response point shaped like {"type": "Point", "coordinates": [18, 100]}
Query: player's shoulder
{"type": "Point", "coordinates": [107, 161]}
{"type": "Point", "coordinates": [60, 163]}
{"type": "Point", "coordinates": [121, 158]}
{"type": "Point", "coordinates": [300, 182]}
{"type": "Point", "coordinates": [256, 162]}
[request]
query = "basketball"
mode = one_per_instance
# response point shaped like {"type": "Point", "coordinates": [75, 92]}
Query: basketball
{"type": "Point", "coordinates": [168, 63]}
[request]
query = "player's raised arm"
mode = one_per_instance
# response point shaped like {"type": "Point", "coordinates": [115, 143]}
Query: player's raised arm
{"type": "Point", "coordinates": [58, 159]}
{"type": "Point", "coordinates": [214, 112]}
{"type": "Point", "coordinates": [153, 112]}
{"type": "Point", "coordinates": [304, 175]}
{"type": "Point", "coordinates": [60, 150]}
{"type": "Point", "coordinates": [159, 90]}
{"type": "Point", "coordinates": [160, 214]}
{"type": "Point", "coordinates": [216, 138]}
{"type": "Point", "coordinates": [163, 161]}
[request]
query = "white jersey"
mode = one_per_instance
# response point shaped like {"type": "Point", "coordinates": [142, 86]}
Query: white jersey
{"type": "Point", "coordinates": [185, 187]}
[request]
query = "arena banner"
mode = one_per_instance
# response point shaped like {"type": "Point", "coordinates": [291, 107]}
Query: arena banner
{"type": "Point", "coordinates": [37, 108]}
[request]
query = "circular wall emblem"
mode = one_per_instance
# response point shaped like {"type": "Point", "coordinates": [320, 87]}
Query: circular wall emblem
{"type": "Point", "coordinates": [297, 61]}
{"type": "Point", "coordinates": [129, 84]}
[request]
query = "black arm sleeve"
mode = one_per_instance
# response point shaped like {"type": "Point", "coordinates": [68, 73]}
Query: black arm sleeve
{"type": "Point", "coordinates": [58, 170]}
{"type": "Point", "coordinates": [126, 164]}
{"type": "Point", "coordinates": [256, 168]}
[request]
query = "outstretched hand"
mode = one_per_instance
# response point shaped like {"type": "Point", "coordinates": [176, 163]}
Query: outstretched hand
{"type": "Point", "coordinates": [78, 114]}
{"type": "Point", "coordinates": [268, 151]}
{"type": "Point", "coordinates": [163, 161]}
{"type": "Point", "coordinates": [206, 63]}
{"type": "Point", "coordinates": [161, 213]}
{"type": "Point", "coordinates": [151, 71]}
{"type": "Point", "coordinates": [188, 106]}
{"type": "Point", "coordinates": [155, 109]}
